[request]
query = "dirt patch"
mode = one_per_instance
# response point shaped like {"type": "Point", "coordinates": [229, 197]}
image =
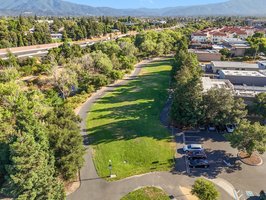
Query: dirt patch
{"type": "Point", "coordinates": [187, 193]}
{"type": "Point", "coordinates": [71, 187]}
{"type": "Point", "coordinates": [253, 160]}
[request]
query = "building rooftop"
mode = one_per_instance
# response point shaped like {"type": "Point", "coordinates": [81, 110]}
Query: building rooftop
{"type": "Point", "coordinates": [234, 41]}
{"type": "Point", "coordinates": [209, 83]}
{"type": "Point", "coordinates": [204, 51]}
{"type": "Point", "coordinates": [244, 46]}
{"type": "Point", "coordinates": [242, 73]}
{"type": "Point", "coordinates": [199, 34]}
{"type": "Point", "coordinates": [226, 64]}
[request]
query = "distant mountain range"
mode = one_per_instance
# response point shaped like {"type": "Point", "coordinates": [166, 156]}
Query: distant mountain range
{"type": "Point", "coordinates": [64, 8]}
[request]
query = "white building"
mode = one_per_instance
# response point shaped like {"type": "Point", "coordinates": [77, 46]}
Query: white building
{"type": "Point", "coordinates": [199, 37]}
{"type": "Point", "coordinates": [238, 66]}
{"type": "Point", "coordinates": [249, 78]}
{"type": "Point", "coordinates": [209, 83]}
{"type": "Point", "coordinates": [218, 38]}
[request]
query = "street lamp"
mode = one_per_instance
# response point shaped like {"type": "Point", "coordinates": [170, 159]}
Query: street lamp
{"type": "Point", "coordinates": [110, 167]}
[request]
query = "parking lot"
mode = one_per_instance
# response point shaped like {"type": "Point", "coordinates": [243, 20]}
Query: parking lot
{"type": "Point", "coordinates": [219, 153]}
{"type": "Point", "coordinates": [223, 162]}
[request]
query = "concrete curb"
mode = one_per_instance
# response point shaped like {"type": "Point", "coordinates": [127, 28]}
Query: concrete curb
{"type": "Point", "coordinates": [225, 185]}
{"type": "Point", "coordinates": [254, 165]}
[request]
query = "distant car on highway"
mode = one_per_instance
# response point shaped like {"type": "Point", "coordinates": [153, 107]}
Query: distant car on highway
{"type": "Point", "coordinates": [202, 128]}
{"type": "Point", "coordinates": [211, 127]}
{"type": "Point", "coordinates": [230, 128]}
{"type": "Point", "coordinates": [192, 147]}
{"type": "Point", "coordinates": [199, 163]}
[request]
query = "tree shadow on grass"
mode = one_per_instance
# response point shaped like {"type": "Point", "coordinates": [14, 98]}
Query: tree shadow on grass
{"type": "Point", "coordinates": [138, 115]}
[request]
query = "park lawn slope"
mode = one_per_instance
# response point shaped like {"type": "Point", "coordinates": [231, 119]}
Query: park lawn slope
{"type": "Point", "coordinates": [147, 193]}
{"type": "Point", "coordinates": [124, 126]}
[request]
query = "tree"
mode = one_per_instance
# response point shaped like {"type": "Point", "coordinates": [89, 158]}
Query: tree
{"type": "Point", "coordinates": [221, 108]}
{"type": "Point", "coordinates": [65, 81]}
{"type": "Point", "coordinates": [187, 98]}
{"type": "Point", "coordinates": [186, 107]}
{"type": "Point", "coordinates": [225, 52]}
{"type": "Point", "coordinates": [248, 137]}
{"type": "Point", "coordinates": [65, 141]}
{"type": "Point", "coordinates": [259, 105]}
{"type": "Point", "coordinates": [30, 171]}
{"type": "Point", "coordinates": [205, 190]}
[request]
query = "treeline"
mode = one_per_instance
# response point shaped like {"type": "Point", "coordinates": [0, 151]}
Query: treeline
{"type": "Point", "coordinates": [40, 144]}
{"type": "Point", "coordinates": [25, 31]}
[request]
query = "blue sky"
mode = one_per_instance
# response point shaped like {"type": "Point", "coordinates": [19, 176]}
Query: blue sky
{"type": "Point", "coordinates": [143, 3]}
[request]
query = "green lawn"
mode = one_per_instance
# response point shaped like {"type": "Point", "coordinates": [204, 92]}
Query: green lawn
{"type": "Point", "coordinates": [125, 128]}
{"type": "Point", "coordinates": [147, 193]}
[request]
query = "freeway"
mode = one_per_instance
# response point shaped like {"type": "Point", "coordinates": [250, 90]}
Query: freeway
{"type": "Point", "coordinates": [42, 50]}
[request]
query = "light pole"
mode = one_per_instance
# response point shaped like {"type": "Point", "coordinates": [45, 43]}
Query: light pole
{"type": "Point", "coordinates": [110, 167]}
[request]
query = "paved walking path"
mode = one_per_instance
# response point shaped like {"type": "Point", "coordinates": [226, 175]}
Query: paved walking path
{"type": "Point", "coordinates": [94, 188]}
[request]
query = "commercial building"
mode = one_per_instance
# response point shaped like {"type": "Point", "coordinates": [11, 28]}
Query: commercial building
{"type": "Point", "coordinates": [225, 65]}
{"type": "Point", "coordinates": [241, 91]}
{"type": "Point", "coordinates": [207, 55]}
{"type": "Point", "coordinates": [248, 78]}
{"type": "Point", "coordinates": [209, 83]}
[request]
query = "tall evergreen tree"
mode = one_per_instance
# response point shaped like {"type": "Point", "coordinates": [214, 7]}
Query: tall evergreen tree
{"type": "Point", "coordinates": [30, 173]}
{"type": "Point", "coordinates": [65, 141]}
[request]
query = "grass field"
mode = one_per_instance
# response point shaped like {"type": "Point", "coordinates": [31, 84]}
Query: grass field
{"type": "Point", "coordinates": [147, 193]}
{"type": "Point", "coordinates": [125, 128]}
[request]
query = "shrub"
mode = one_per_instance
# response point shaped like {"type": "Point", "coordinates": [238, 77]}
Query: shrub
{"type": "Point", "coordinates": [204, 190]}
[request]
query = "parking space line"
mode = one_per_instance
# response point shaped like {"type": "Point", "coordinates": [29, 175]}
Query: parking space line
{"type": "Point", "coordinates": [186, 163]}
{"type": "Point", "coordinates": [184, 138]}
{"type": "Point", "coordinates": [192, 142]}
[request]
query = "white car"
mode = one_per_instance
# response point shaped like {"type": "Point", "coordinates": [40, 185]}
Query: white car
{"type": "Point", "coordinates": [192, 147]}
{"type": "Point", "coordinates": [230, 128]}
{"type": "Point", "coordinates": [211, 127]}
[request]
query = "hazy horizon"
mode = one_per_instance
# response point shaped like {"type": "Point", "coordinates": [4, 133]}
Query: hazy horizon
{"type": "Point", "coordinates": [143, 3]}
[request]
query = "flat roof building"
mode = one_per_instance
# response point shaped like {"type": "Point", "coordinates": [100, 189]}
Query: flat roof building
{"type": "Point", "coordinates": [249, 78]}
{"type": "Point", "coordinates": [209, 83]}
{"type": "Point", "coordinates": [225, 65]}
{"type": "Point", "coordinates": [207, 55]}
{"type": "Point", "coordinates": [243, 91]}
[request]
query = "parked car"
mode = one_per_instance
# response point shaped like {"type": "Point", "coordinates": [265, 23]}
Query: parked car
{"type": "Point", "coordinates": [199, 163]}
{"type": "Point", "coordinates": [192, 147]}
{"type": "Point", "coordinates": [220, 128]}
{"type": "Point", "coordinates": [230, 128]}
{"type": "Point", "coordinates": [197, 154]}
{"type": "Point", "coordinates": [211, 127]}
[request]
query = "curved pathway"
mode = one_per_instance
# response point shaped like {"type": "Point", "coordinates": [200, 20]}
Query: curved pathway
{"type": "Point", "coordinates": [94, 188]}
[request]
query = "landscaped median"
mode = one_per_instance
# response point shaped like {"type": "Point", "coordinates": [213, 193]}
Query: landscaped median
{"type": "Point", "coordinates": [125, 129]}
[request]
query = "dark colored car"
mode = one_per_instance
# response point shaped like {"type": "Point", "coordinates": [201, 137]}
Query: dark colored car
{"type": "Point", "coordinates": [199, 163]}
{"type": "Point", "coordinates": [199, 154]}
{"type": "Point", "coordinates": [221, 128]}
